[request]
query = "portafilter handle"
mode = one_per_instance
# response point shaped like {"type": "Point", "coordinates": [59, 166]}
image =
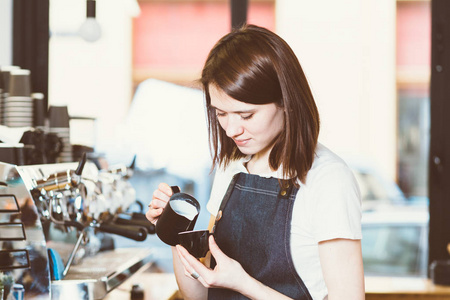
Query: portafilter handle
{"type": "Point", "coordinates": [136, 233]}
{"type": "Point", "coordinates": [141, 222]}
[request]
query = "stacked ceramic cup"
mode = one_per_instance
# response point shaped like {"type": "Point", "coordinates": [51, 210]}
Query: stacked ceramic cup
{"type": "Point", "coordinates": [59, 120]}
{"type": "Point", "coordinates": [4, 88]}
{"type": "Point", "coordinates": [18, 105]}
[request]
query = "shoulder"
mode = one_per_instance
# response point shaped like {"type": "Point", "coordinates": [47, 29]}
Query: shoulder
{"type": "Point", "coordinates": [329, 182]}
{"type": "Point", "coordinates": [328, 166]}
{"type": "Point", "coordinates": [332, 198]}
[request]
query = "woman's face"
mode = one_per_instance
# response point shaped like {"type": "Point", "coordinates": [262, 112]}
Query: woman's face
{"type": "Point", "coordinates": [252, 127]}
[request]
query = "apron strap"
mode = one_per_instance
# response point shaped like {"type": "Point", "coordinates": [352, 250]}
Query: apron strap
{"type": "Point", "coordinates": [225, 200]}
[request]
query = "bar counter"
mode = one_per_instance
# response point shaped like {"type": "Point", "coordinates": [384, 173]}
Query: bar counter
{"type": "Point", "coordinates": [393, 288]}
{"type": "Point", "coordinates": [163, 286]}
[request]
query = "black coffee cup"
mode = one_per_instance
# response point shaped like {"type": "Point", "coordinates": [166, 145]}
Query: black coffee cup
{"type": "Point", "coordinates": [19, 83]}
{"type": "Point", "coordinates": [5, 73]}
{"type": "Point", "coordinates": [180, 214]}
{"type": "Point", "coordinates": [195, 242]}
{"type": "Point", "coordinates": [58, 116]}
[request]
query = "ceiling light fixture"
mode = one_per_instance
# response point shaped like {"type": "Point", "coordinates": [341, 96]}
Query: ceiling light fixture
{"type": "Point", "coordinates": [90, 30]}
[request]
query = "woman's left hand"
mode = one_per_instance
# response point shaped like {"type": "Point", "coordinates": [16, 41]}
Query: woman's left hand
{"type": "Point", "coordinates": [228, 273]}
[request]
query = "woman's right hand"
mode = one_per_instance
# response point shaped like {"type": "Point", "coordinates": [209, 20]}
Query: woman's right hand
{"type": "Point", "coordinates": [159, 200]}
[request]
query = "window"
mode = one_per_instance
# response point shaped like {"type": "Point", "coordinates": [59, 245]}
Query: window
{"type": "Point", "coordinates": [413, 78]}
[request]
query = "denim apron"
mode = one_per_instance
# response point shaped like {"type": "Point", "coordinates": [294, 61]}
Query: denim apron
{"type": "Point", "coordinates": [253, 227]}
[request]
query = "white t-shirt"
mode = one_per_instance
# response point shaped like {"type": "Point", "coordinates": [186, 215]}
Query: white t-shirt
{"type": "Point", "coordinates": [327, 206]}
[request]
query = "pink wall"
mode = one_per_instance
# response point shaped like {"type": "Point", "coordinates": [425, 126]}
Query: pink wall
{"type": "Point", "coordinates": [413, 33]}
{"type": "Point", "coordinates": [180, 35]}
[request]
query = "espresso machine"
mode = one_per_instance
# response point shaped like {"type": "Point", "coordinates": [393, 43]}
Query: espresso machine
{"type": "Point", "coordinates": [56, 223]}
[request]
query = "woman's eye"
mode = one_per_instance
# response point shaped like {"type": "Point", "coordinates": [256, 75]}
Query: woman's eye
{"type": "Point", "coordinates": [246, 116]}
{"type": "Point", "coordinates": [220, 114]}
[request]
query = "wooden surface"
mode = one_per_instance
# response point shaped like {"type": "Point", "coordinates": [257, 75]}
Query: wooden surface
{"type": "Point", "coordinates": [383, 288]}
{"type": "Point", "coordinates": [163, 286]}
{"type": "Point", "coordinates": [157, 286]}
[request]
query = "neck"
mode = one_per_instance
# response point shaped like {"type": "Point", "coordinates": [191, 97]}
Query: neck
{"type": "Point", "coordinates": [259, 164]}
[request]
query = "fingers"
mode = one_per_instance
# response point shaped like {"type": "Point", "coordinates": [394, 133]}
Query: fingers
{"type": "Point", "coordinates": [215, 250]}
{"type": "Point", "coordinates": [153, 214]}
{"type": "Point", "coordinates": [159, 201]}
{"type": "Point", "coordinates": [193, 268]}
{"type": "Point", "coordinates": [187, 266]}
{"type": "Point", "coordinates": [161, 196]}
{"type": "Point", "coordinates": [187, 259]}
{"type": "Point", "coordinates": [189, 271]}
{"type": "Point", "coordinates": [166, 189]}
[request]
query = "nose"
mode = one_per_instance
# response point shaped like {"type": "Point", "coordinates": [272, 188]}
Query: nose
{"type": "Point", "coordinates": [233, 127]}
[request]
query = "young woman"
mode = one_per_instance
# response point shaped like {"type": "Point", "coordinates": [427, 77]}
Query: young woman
{"type": "Point", "coordinates": [287, 211]}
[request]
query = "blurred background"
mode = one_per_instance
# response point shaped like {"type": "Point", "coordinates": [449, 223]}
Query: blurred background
{"type": "Point", "coordinates": [132, 83]}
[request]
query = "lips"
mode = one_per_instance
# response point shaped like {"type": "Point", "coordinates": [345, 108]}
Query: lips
{"type": "Point", "coordinates": [241, 142]}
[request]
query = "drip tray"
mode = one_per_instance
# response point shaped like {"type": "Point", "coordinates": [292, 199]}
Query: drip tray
{"type": "Point", "coordinates": [97, 275]}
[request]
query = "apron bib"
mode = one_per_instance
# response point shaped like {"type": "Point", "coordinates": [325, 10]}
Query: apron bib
{"type": "Point", "coordinates": [254, 228]}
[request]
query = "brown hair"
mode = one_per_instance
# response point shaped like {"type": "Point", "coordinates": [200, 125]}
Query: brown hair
{"type": "Point", "coordinates": [254, 65]}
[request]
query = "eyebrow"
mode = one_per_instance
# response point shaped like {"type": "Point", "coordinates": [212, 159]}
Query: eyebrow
{"type": "Point", "coordinates": [237, 111]}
